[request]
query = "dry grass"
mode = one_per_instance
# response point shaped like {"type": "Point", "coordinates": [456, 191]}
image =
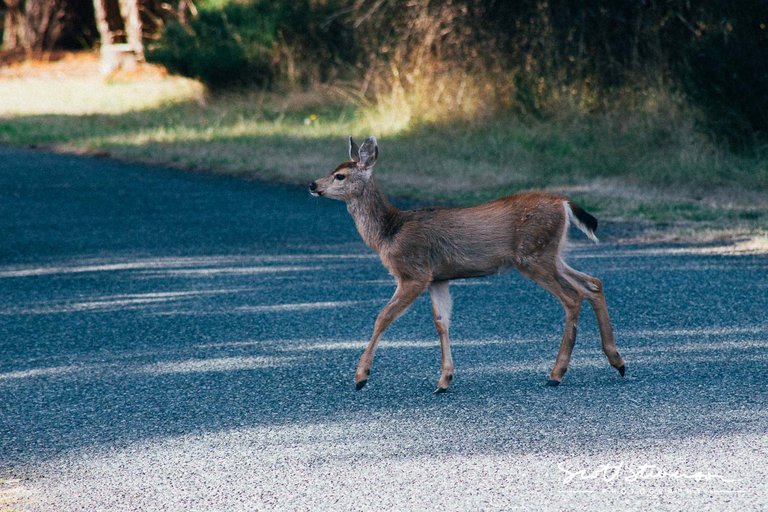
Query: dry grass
{"type": "Point", "coordinates": [649, 167]}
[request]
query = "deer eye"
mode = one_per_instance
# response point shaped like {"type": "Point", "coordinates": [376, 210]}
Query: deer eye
{"type": "Point", "coordinates": [340, 177]}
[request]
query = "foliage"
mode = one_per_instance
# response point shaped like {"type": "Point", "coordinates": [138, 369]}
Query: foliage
{"type": "Point", "coordinates": [210, 50]}
{"type": "Point", "coordinates": [725, 71]}
{"type": "Point", "coordinates": [432, 61]}
{"type": "Point", "coordinates": [424, 61]}
{"type": "Point", "coordinates": [256, 42]}
{"type": "Point", "coordinates": [33, 26]}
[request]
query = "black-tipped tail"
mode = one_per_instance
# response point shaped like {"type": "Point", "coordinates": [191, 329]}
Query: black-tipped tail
{"type": "Point", "coordinates": [583, 216]}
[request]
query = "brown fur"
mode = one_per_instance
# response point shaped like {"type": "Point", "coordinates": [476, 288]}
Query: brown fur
{"type": "Point", "coordinates": [427, 247]}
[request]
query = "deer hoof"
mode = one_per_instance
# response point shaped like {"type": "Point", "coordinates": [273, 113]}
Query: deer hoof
{"type": "Point", "coordinates": [552, 383]}
{"type": "Point", "coordinates": [440, 391]}
{"type": "Point", "coordinates": [360, 385]}
{"type": "Point", "coordinates": [622, 370]}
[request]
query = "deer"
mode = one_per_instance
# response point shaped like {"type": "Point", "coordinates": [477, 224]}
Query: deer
{"type": "Point", "coordinates": [426, 249]}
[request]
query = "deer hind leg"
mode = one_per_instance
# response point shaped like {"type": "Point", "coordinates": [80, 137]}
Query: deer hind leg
{"type": "Point", "coordinates": [554, 279]}
{"type": "Point", "coordinates": [441, 312]}
{"type": "Point", "coordinates": [596, 297]}
{"type": "Point", "coordinates": [406, 293]}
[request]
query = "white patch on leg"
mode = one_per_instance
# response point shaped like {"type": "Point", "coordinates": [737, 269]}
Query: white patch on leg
{"type": "Point", "coordinates": [441, 301]}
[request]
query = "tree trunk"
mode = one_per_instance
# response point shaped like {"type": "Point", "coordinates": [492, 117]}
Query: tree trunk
{"type": "Point", "coordinates": [34, 26]}
{"type": "Point", "coordinates": [132, 23]}
{"type": "Point", "coordinates": [120, 29]}
{"type": "Point", "coordinates": [100, 13]}
{"type": "Point", "coordinates": [15, 28]}
{"type": "Point", "coordinates": [44, 17]}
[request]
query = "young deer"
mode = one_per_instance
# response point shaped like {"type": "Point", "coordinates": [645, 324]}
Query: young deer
{"type": "Point", "coordinates": [426, 249]}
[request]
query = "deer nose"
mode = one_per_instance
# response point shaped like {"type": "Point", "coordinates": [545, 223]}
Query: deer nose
{"type": "Point", "coordinates": [312, 186]}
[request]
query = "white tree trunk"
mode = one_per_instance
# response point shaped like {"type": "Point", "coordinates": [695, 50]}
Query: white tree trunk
{"type": "Point", "coordinates": [113, 55]}
{"type": "Point", "coordinates": [133, 30]}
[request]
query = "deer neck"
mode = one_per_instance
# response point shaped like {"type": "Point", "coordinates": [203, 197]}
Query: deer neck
{"type": "Point", "coordinates": [376, 219]}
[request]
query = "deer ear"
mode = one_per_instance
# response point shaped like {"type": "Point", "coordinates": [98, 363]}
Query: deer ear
{"type": "Point", "coordinates": [369, 152]}
{"type": "Point", "coordinates": [354, 152]}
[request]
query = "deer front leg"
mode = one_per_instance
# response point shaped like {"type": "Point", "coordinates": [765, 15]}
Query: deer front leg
{"type": "Point", "coordinates": [406, 293]}
{"type": "Point", "coordinates": [441, 312]}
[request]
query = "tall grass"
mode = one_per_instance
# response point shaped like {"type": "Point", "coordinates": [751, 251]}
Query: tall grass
{"type": "Point", "coordinates": [422, 61]}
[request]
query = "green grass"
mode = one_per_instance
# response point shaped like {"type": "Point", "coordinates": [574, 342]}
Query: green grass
{"type": "Point", "coordinates": [651, 166]}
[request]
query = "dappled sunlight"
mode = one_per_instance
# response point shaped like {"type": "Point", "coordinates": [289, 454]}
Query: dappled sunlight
{"type": "Point", "coordinates": [698, 331]}
{"type": "Point", "coordinates": [181, 265]}
{"type": "Point", "coordinates": [208, 272]}
{"type": "Point", "coordinates": [754, 245]}
{"type": "Point", "coordinates": [541, 367]}
{"type": "Point", "coordinates": [119, 302]}
{"type": "Point", "coordinates": [113, 370]}
{"type": "Point", "coordinates": [637, 358]}
{"type": "Point", "coordinates": [107, 266]}
{"type": "Point", "coordinates": [129, 364]}
{"type": "Point", "coordinates": [267, 308]}
{"type": "Point", "coordinates": [298, 345]}
{"type": "Point", "coordinates": [40, 372]}
{"type": "Point", "coordinates": [106, 304]}
{"type": "Point", "coordinates": [358, 345]}
{"type": "Point", "coordinates": [301, 345]}
{"type": "Point", "coordinates": [304, 306]}
{"type": "Point", "coordinates": [396, 344]}
{"type": "Point", "coordinates": [237, 344]}
{"type": "Point", "coordinates": [91, 96]}
{"type": "Point", "coordinates": [216, 364]}
{"type": "Point", "coordinates": [720, 346]}
{"type": "Point", "coordinates": [190, 295]}
{"type": "Point", "coordinates": [751, 245]}
{"type": "Point", "coordinates": [714, 358]}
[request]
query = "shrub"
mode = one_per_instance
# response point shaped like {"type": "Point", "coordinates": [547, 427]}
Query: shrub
{"type": "Point", "coordinates": [212, 49]}
{"type": "Point", "coordinates": [259, 42]}
{"type": "Point", "coordinates": [423, 60]}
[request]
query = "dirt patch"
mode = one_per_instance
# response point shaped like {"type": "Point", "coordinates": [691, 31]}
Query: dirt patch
{"type": "Point", "coordinates": [72, 65]}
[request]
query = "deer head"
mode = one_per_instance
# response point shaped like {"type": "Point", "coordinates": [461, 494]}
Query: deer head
{"type": "Point", "coordinates": [348, 179]}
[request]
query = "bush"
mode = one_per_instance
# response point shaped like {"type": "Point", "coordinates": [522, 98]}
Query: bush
{"type": "Point", "coordinates": [212, 49]}
{"type": "Point", "coordinates": [260, 42]}
{"type": "Point", "coordinates": [423, 60]}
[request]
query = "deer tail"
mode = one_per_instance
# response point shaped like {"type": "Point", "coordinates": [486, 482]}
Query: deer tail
{"type": "Point", "coordinates": [581, 219]}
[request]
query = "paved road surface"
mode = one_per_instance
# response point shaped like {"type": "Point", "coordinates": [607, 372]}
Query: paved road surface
{"type": "Point", "coordinates": [179, 341]}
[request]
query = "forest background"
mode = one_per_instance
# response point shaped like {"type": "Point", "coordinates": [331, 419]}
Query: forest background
{"type": "Point", "coordinates": [651, 112]}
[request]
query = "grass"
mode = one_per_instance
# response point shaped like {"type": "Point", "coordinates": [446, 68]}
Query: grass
{"type": "Point", "coordinates": [651, 167]}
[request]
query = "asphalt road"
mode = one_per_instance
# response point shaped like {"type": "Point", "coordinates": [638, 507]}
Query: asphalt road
{"type": "Point", "coordinates": [180, 341]}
